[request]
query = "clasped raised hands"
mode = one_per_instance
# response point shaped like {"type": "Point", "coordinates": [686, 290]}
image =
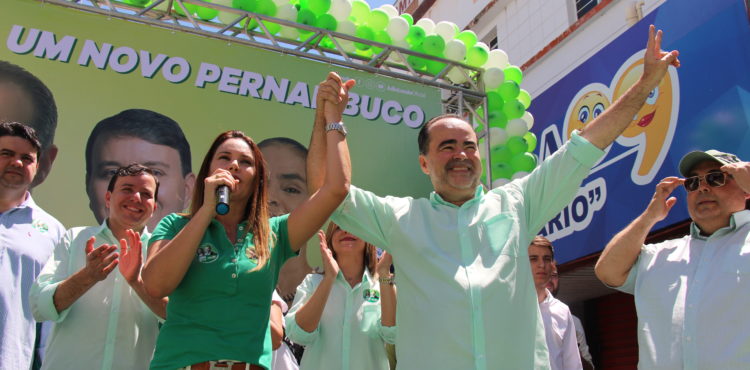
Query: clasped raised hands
{"type": "Point", "coordinates": [333, 96]}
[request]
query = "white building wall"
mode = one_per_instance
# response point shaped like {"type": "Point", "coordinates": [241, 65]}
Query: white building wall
{"type": "Point", "coordinates": [525, 27]}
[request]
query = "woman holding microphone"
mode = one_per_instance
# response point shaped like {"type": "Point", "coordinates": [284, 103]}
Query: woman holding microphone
{"type": "Point", "coordinates": [219, 270]}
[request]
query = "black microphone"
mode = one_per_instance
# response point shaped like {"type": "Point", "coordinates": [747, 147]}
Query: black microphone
{"type": "Point", "coordinates": [222, 199]}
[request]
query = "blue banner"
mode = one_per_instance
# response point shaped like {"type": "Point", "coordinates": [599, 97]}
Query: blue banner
{"type": "Point", "coordinates": [704, 104]}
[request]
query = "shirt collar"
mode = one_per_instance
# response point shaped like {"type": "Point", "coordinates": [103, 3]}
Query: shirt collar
{"type": "Point", "coordinates": [736, 220]}
{"type": "Point", "coordinates": [104, 230]}
{"type": "Point", "coordinates": [436, 199]}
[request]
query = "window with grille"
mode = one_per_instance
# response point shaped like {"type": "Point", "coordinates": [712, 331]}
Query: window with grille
{"type": "Point", "coordinates": [584, 6]}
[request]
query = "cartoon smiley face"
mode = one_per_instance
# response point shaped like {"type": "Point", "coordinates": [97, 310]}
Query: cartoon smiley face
{"type": "Point", "coordinates": [652, 128]}
{"type": "Point", "coordinates": [589, 106]}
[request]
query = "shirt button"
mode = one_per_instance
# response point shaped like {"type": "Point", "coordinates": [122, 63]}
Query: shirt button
{"type": "Point", "coordinates": [689, 339]}
{"type": "Point", "coordinates": [234, 260]}
{"type": "Point", "coordinates": [234, 276]}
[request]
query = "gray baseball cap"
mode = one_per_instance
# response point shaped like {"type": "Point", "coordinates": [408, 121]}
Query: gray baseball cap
{"type": "Point", "coordinates": [691, 159]}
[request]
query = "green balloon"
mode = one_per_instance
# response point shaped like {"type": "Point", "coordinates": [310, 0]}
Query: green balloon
{"type": "Point", "coordinates": [319, 7]}
{"type": "Point", "coordinates": [516, 144]}
{"type": "Point", "coordinates": [530, 141]}
{"type": "Point", "coordinates": [476, 56]}
{"type": "Point", "coordinates": [178, 9]}
{"type": "Point", "coordinates": [513, 109]}
{"type": "Point", "coordinates": [246, 5]}
{"type": "Point", "coordinates": [500, 154]}
{"type": "Point", "coordinates": [498, 119]}
{"type": "Point", "coordinates": [480, 111]}
{"type": "Point", "coordinates": [307, 17]}
{"type": "Point", "coordinates": [378, 20]}
{"type": "Point", "coordinates": [501, 170]}
{"type": "Point", "coordinates": [416, 36]}
{"type": "Point", "coordinates": [513, 73]}
{"type": "Point", "coordinates": [433, 45]}
{"type": "Point", "coordinates": [266, 7]}
{"type": "Point", "coordinates": [415, 61]}
{"type": "Point", "coordinates": [508, 90]}
{"type": "Point", "coordinates": [382, 37]}
{"type": "Point", "coordinates": [273, 28]}
{"type": "Point", "coordinates": [327, 22]}
{"type": "Point", "coordinates": [204, 13]}
{"type": "Point", "coordinates": [408, 18]}
{"type": "Point", "coordinates": [434, 67]}
{"type": "Point", "coordinates": [468, 37]}
{"type": "Point", "coordinates": [494, 101]}
{"type": "Point", "coordinates": [523, 162]}
{"type": "Point", "coordinates": [525, 98]}
{"type": "Point", "coordinates": [364, 32]}
{"type": "Point", "coordinates": [360, 12]}
{"type": "Point", "coordinates": [139, 3]}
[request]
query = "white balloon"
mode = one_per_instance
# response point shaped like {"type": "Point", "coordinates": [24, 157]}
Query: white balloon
{"type": "Point", "coordinates": [340, 9]}
{"type": "Point", "coordinates": [456, 76]}
{"type": "Point", "coordinates": [529, 119]}
{"type": "Point", "coordinates": [286, 12]}
{"type": "Point", "coordinates": [163, 5]}
{"type": "Point", "coordinates": [390, 10]}
{"type": "Point", "coordinates": [497, 58]}
{"type": "Point", "coordinates": [499, 182]}
{"type": "Point", "coordinates": [519, 175]}
{"type": "Point", "coordinates": [493, 77]}
{"type": "Point", "coordinates": [446, 30]}
{"type": "Point", "coordinates": [348, 28]}
{"type": "Point", "coordinates": [498, 136]}
{"type": "Point", "coordinates": [277, 2]}
{"type": "Point", "coordinates": [393, 56]}
{"type": "Point", "coordinates": [397, 28]}
{"type": "Point", "coordinates": [427, 24]}
{"type": "Point", "coordinates": [455, 50]}
{"type": "Point", "coordinates": [288, 32]}
{"type": "Point", "coordinates": [516, 127]}
{"type": "Point", "coordinates": [224, 17]}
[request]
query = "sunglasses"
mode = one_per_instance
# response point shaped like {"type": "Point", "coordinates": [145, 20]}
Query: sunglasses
{"type": "Point", "coordinates": [712, 179]}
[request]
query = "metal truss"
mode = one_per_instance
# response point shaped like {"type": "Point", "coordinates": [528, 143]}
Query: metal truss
{"type": "Point", "coordinates": [462, 99]}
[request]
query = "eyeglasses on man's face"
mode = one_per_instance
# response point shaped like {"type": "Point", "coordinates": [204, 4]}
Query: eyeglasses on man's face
{"type": "Point", "coordinates": [713, 179]}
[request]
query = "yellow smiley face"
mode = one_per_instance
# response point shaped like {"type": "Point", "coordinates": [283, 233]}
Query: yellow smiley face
{"type": "Point", "coordinates": [652, 128]}
{"type": "Point", "coordinates": [588, 107]}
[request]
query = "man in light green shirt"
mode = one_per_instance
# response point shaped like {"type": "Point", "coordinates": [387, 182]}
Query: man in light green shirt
{"type": "Point", "coordinates": [93, 290]}
{"type": "Point", "coordinates": [466, 296]}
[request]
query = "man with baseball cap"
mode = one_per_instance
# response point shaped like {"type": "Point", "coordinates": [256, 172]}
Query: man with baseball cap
{"type": "Point", "coordinates": [691, 293]}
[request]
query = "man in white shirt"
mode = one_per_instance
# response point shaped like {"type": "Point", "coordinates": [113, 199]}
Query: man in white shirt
{"type": "Point", "coordinates": [103, 318]}
{"type": "Point", "coordinates": [690, 293]}
{"type": "Point", "coordinates": [583, 348]}
{"type": "Point", "coordinates": [558, 322]}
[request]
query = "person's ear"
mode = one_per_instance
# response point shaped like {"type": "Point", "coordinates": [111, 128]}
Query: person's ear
{"type": "Point", "coordinates": [188, 190]}
{"type": "Point", "coordinates": [423, 164]}
{"type": "Point", "coordinates": [44, 164]}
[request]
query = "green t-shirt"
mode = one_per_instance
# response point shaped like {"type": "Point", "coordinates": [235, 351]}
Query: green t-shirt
{"type": "Point", "coordinates": [220, 310]}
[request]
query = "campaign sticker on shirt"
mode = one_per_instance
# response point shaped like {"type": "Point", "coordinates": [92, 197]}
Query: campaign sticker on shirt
{"type": "Point", "coordinates": [371, 295]}
{"type": "Point", "coordinates": [207, 253]}
{"type": "Point", "coordinates": [40, 226]}
{"type": "Point", "coordinates": [251, 255]}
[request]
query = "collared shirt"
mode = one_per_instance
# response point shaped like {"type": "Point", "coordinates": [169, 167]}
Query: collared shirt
{"type": "Point", "coordinates": [560, 331]}
{"type": "Point", "coordinates": [350, 335]}
{"type": "Point", "coordinates": [691, 296]}
{"type": "Point", "coordinates": [465, 286]}
{"type": "Point", "coordinates": [28, 235]}
{"type": "Point", "coordinates": [220, 310]}
{"type": "Point", "coordinates": [108, 327]}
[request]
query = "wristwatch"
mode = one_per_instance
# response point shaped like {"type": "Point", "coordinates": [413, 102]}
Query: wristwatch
{"type": "Point", "coordinates": [338, 126]}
